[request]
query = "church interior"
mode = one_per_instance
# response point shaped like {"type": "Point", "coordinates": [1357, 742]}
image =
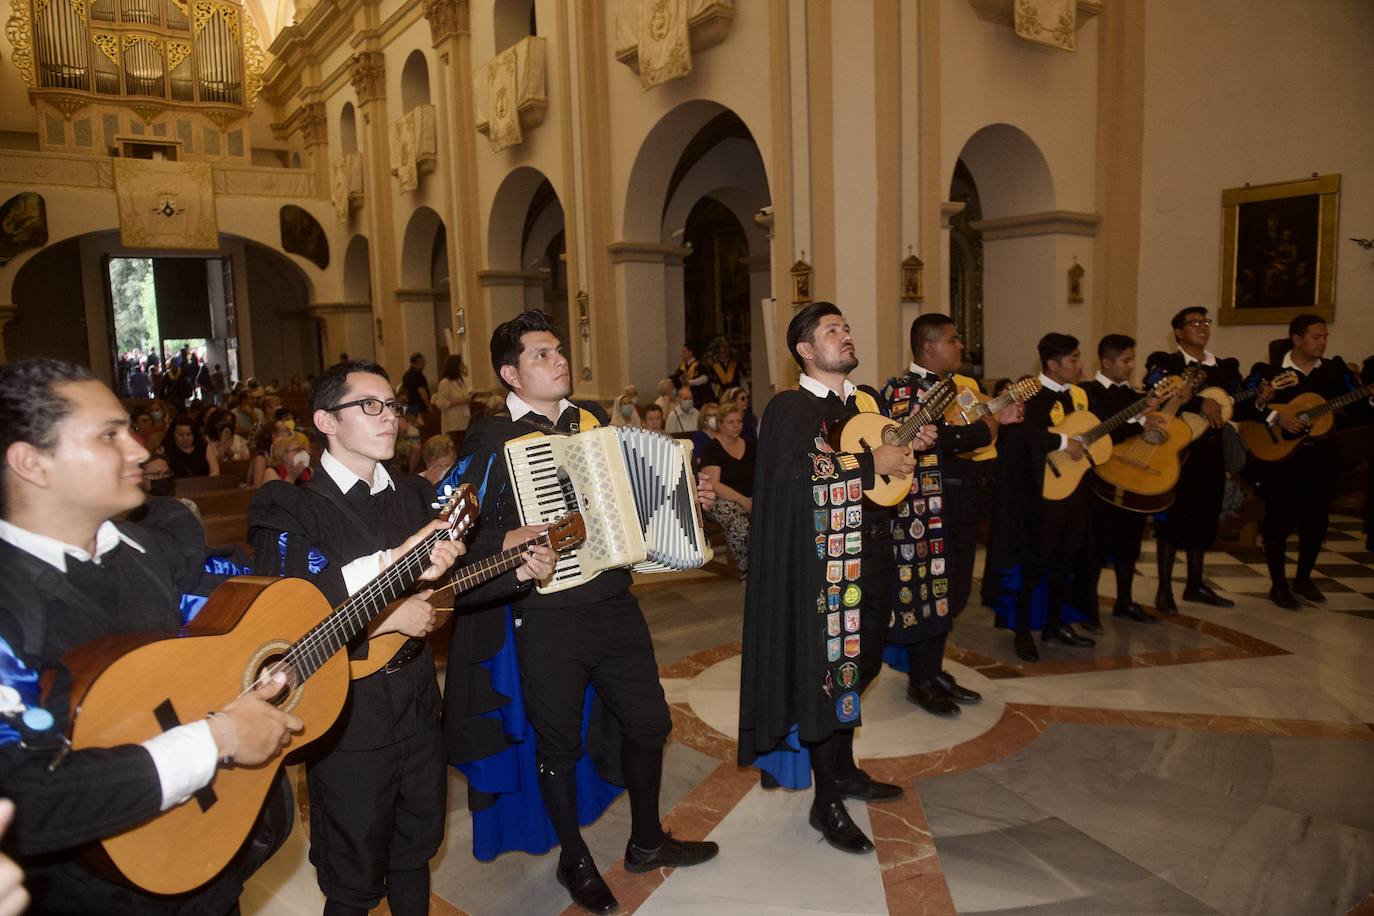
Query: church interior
{"type": "Point", "coordinates": [271, 184]}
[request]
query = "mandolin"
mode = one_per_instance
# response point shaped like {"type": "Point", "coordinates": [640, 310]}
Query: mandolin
{"type": "Point", "coordinates": [564, 534]}
{"type": "Point", "coordinates": [1143, 471]}
{"type": "Point", "coordinates": [864, 432]}
{"type": "Point", "coordinates": [1198, 423]}
{"type": "Point", "coordinates": [971, 405]}
{"type": "Point", "coordinates": [1062, 473]}
{"type": "Point", "coordinates": [1271, 443]}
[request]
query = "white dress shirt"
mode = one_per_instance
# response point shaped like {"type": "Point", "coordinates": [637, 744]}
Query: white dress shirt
{"type": "Point", "coordinates": [185, 757]}
{"type": "Point", "coordinates": [1208, 358]}
{"type": "Point", "coordinates": [1052, 385]}
{"type": "Point", "coordinates": [821, 390]}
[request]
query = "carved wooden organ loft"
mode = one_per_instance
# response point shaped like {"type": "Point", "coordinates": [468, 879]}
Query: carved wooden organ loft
{"type": "Point", "coordinates": [178, 70]}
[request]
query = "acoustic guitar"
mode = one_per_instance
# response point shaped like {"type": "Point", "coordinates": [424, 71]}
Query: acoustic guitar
{"type": "Point", "coordinates": [1199, 424]}
{"type": "Point", "coordinates": [864, 432]}
{"type": "Point", "coordinates": [971, 405]}
{"type": "Point", "coordinates": [1143, 471]}
{"type": "Point", "coordinates": [564, 534]}
{"type": "Point", "coordinates": [1062, 473]}
{"type": "Point", "coordinates": [1271, 443]}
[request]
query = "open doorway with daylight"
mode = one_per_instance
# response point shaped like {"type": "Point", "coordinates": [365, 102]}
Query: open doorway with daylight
{"type": "Point", "coordinates": [171, 317]}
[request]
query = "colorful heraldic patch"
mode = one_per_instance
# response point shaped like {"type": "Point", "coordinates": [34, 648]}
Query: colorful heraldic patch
{"type": "Point", "coordinates": [917, 531]}
{"type": "Point", "coordinates": [847, 707]}
{"type": "Point", "coordinates": [837, 516]}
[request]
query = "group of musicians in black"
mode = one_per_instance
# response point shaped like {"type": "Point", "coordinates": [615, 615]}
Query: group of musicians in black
{"type": "Point", "coordinates": [837, 583]}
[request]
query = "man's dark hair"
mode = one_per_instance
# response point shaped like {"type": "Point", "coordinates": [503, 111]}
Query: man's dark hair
{"type": "Point", "coordinates": [926, 329]}
{"type": "Point", "coordinates": [416, 357]}
{"type": "Point", "coordinates": [1055, 346]}
{"type": "Point", "coordinates": [30, 407]}
{"type": "Point", "coordinates": [329, 389]}
{"type": "Point", "coordinates": [803, 325]}
{"type": "Point", "coordinates": [1182, 314]}
{"type": "Point", "coordinates": [1113, 345]}
{"type": "Point", "coordinates": [1299, 325]}
{"type": "Point", "coordinates": [507, 341]}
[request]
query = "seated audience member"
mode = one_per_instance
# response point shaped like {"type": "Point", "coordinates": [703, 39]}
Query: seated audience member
{"type": "Point", "coordinates": [158, 482]}
{"type": "Point", "coordinates": [667, 396]}
{"type": "Point", "coordinates": [246, 413]}
{"type": "Point", "coordinates": [141, 425]}
{"type": "Point", "coordinates": [708, 429]}
{"type": "Point", "coordinates": [229, 445]}
{"type": "Point", "coordinates": [653, 418]}
{"type": "Point", "coordinates": [740, 396]}
{"type": "Point", "coordinates": [187, 452]}
{"type": "Point", "coordinates": [683, 417]}
{"type": "Point", "coordinates": [438, 455]}
{"type": "Point", "coordinates": [289, 459]}
{"type": "Point", "coordinates": [728, 462]}
{"type": "Point", "coordinates": [262, 451]}
{"type": "Point", "coordinates": [625, 409]}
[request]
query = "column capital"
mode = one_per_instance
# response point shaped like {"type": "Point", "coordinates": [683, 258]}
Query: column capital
{"type": "Point", "coordinates": [367, 71]}
{"type": "Point", "coordinates": [313, 123]}
{"type": "Point", "coordinates": [447, 18]}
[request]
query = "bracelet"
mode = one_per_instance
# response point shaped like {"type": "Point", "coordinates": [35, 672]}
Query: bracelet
{"type": "Point", "coordinates": [228, 758]}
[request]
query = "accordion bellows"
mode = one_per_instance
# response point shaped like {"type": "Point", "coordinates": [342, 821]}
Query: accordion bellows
{"type": "Point", "coordinates": [636, 492]}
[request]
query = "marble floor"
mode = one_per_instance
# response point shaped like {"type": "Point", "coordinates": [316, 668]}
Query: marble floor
{"type": "Point", "coordinates": [1219, 762]}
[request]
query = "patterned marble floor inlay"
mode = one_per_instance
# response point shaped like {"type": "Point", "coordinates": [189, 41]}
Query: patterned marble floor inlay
{"type": "Point", "coordinates": [1215, 764]}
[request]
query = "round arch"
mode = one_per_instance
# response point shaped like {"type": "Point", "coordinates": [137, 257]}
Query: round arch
{"type": "Point", "coordinates": [357, 271]}
{"type": "Point", "coordinates": [417, 248]}
{"type": "Point", "coordinates": [510, 210]}
{"type": "Point", "coordinates": [415, 81]}
{"type": "Point", "coordinates": [348, 129]}
{"type": "Point", "coordinates": [1010, 169]}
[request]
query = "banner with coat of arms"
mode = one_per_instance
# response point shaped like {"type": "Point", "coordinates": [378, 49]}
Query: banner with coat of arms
{"type": "Point", "coordinates": [503, 98]}
{"type": "Point", "coordinates": [665, 49]}
{"type": "Point", "coordinates": [1048, 22]}
{"type": "Point", "coordinates": [166, 204]}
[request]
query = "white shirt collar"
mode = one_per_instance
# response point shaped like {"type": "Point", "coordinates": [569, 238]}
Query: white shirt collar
{"type": "Point", "coordinates": [1208, 358]}
{"type": "Point", "coordinates": [1051, 384]}
{"type": "Point", "coordinates": [55, 552]}
{"type": "Point", "coordinates": [821, 391]}
{"type": "Point", "coordinates": [917, 369]}
{"type": "Point", "coordinates": [1108, 383]}
{"type": "Point", "coordinates": [1289, 364]}
{"type": "Point", "coordinates": [518, 408]}
{"type": "Point", "coordinates": [344, 479]}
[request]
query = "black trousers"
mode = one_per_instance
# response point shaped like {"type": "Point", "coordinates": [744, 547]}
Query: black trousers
{"type": "Point", "coordinates": [1062, 558]}
{"type": "Point", "coordinates": [1297, 497]}
{"type": "Point", "coordinates": [1117, 533]}
{"type": "Point", "coordinates": [607, 644]}
{"type": "Point", "coordinates": [376, 811]}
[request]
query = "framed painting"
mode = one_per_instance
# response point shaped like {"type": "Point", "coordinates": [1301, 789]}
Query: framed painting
{"type": "Point", "coordinates": [1278, 250]}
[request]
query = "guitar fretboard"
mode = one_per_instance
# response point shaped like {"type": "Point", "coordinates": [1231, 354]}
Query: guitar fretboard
{"type": "Point", "coordinates": [1349, 397]}
{"type": "Point", "coordinates": [932, 408]}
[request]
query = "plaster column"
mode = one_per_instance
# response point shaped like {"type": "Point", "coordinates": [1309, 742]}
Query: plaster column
{"type": "Point", "coordinates": [368, 73]}
{"type": "Point", "coordinates": [505, 296]}
{"type": "Point", "coordinates": [646, 274]}
{"type": "Point", "coordinates": [418, 334]}
{"type": "Point", "coordinates": [760, 293]}
{"type": "Point", "coordinates": [346, 327]}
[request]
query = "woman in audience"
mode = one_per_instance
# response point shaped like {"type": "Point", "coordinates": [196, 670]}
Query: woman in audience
{"type": "Point", "coordinates": [740, 396]}
{"type": "Point", "coordinates": [653, 418]}
{"type": "Point", "coordinates": [728, 462]}
{"type": "Point", "coordinates": [229, 445]}
{"type": "Point", "coordinates": [262, 451]}
{"type": "Point", "coordinates": [453, 400]}
{"type": "Point", "coordinates": [625, 409]}
{"type": "Point", "coordinates": [290, 459]}
{"type": "Point", "coordinates": [667, 396]}
{"type": "Point", "coordinates": [708, 428]}
{"type": "Point", "coordinates": [188, 454]}
{"type": "Point", "coordinates": [438, 454]}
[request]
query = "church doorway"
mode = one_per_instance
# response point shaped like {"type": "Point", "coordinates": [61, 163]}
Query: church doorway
{"type": "Point", "coordinates": [966, 269]}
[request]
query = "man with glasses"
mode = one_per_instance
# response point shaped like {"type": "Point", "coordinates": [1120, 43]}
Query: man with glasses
{"type": "Point", "coordinates": [1190, 524]}
{"type": "Point", "coordinates": [377, 781]}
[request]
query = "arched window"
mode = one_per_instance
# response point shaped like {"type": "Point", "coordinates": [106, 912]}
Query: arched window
{"type": "Point", "coordinates": [348, 129]}
{"type": "Point", "coordinates": [514, 20]}
{"type": "Point", "coordinates": [415, 81]}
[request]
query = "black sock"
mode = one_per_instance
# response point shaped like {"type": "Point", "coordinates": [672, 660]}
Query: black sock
{"type": "Point", "coordinates": [560, 801]}
{"type": "Point", "coordinates": [1308, 548]}
{"type": "Point", "coordinates": [1165, 563]}
{"type": "Point", "coordinates": [845, 766]}
{"type": "Point", "coordinates": [643, 772]}
{"type": "Point", "coordinates": [823, 770]}
{"type": "Point", "coordinates": [1274, 559]}
{"type": "Point", "coordinates": [1195, 558]}
{"type": "Point", "coordinates": [407, 892]}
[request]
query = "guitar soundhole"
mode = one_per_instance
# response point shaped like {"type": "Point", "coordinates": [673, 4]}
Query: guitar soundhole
{"type": "Point", "coordinates": [268, 661]}
{"type": "Point", "coordinates": [1155, 436]}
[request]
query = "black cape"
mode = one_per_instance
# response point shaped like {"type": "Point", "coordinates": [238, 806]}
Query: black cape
{"type": "Point", "coordinates": [785, 667]}
{"type": "Point", "coordinates": [1191, 522]}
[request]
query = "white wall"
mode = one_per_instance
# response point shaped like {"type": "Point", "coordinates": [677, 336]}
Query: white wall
{"type": "Point", "coordinates": [1252, 91]}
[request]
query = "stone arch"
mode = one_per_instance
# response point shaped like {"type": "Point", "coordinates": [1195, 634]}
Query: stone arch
{"type": "Point", "coordinates": [512, 20]}
{"type": "Point", "coordinates": [415, 81]}
{"type": "Point", "coordinates": [417, 247]}
{"type": "Point", "coordinates": [1012, 173]}
{"type": "Point", "coordinates": [357, 271]}
{"type": "Point", "coordinates": [425, 304]}
{"type": "Point", "coordinates": [348, 129]}
{"type": "Point", "coordinates": [526, 218]}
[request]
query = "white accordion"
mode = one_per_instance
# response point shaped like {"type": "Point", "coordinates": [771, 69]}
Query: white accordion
{"type": "Point", "coordinates": [636, 492]}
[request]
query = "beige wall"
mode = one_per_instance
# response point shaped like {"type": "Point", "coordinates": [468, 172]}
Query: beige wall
{"type": "Point", "coordinates": [1253, 91]}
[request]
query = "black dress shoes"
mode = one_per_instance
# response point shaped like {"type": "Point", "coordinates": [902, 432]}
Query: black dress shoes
{"type": "Point", "coordinates": [1066, 636]}
{"type": "Point", "coordinates": [928, 695]}
{"type": "Point", "coordinates": [670, 853]}
{"type": "Point", "coordinates": [839, 830]}
{"type": "Point", "coordinates": [1283, 596]}
{"type": "Point", "coordinates": [1307, 589]}
{"type": "Point", "coordinates": [587, 887]}
{"type": "Point", "coordinates": [1204, 595]}
{"type": "Point", "coordinates": [1164, 602]}
{"type": "Point", "coordinates": [1133, 611]}
{"type": "Point", "coordinates": [866, 788]}
{"type": "Point", "coordinates": [958, 694]}
{"type": "Point", "coordinates": [768, 781]}
{"type": "Point", "coordinates": [1024, 644]}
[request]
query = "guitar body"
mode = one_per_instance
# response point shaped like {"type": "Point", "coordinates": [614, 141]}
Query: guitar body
{"type": "Point", "coordinates": [1142, 473]}
{"type": "Point", "coordinates": [1062, 473]}
{"type": "Point", "coordinates": [380, 651]}
{"type": "Point", "coordinates": [965, 410]}
{"type": "Point", "coordinates": [1272, 443]}
{"type": "Point", "coordinates": [126, 690]}
{"type": "Point", "coordinates": [1198, 425]}
{"type": "Point", "coordinates": [864, 432]}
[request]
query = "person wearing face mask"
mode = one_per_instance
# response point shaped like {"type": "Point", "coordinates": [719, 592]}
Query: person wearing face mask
{"type": "Point", "coordinates": [708, 430]}
{"type": "Point", "coordinates": [625, 410]}
{"type": "Point", "coordinates": [290, 459]}
{"type": "Point", "coordinates": [683, 417]}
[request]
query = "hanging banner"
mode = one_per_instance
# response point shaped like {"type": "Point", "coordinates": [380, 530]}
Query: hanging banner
{"type": "Point", "coordinates": [665, 50]}
{"type": "Point", "coordinates": [503, 97]}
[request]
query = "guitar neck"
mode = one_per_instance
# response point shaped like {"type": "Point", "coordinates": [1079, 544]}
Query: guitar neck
{"type": "Point", "coordinates": [1117, 419]}
{"type": "Point", "coordinates": [929, 412]}
{"type": "Point", "coordinates": [994, 405]}
{"type": "Point", "coordinates": [1349, 397]}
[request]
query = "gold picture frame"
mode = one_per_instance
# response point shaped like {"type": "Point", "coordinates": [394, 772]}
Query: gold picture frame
{"type": "Point", "coordinates": [1278, 250]}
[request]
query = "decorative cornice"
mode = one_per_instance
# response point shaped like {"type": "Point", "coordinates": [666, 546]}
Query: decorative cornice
{"type": "Point", "coordinates": [948, 210]}
{"type": "Point", "coordinates": [447, 18]}
{"type": "Point", "coordinates": [643, 252]}
{"type": "Point", "coordinates": [1002, 12]}
{"type": "Point", "coordinates": [367, 71]}
{"type": "Point", "coordinates": [1050, 222]}
{"type": "Point", "coordinates": [313, 123]}
{"type": "Point", "coordinates": [510, 278]}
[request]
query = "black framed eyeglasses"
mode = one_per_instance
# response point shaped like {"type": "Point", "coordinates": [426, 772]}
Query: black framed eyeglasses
{"type": "Point", "coordinates": [371, 406]}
